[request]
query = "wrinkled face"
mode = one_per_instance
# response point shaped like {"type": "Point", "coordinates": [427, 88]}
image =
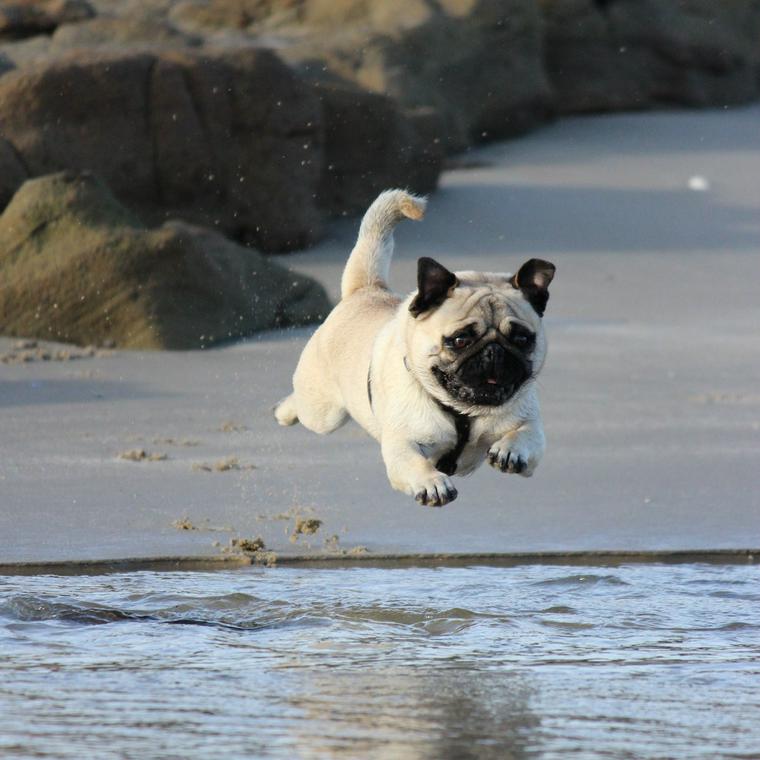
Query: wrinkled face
{"type": "Point", "coordinates": [486, 364]}
{"type": "Point", "coordinates": [481, 344]}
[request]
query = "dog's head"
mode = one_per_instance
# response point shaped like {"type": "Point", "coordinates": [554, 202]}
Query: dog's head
{"type": "Point", "coordinates": [474, 339]}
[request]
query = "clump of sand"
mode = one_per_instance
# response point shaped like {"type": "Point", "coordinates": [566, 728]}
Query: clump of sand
{"type": "Point", "coordinates": [253, 548]}
{"type": "Point", "coordinates": [176, 441]}
{"type": "Point", "coordinates": [332, 546]}
{"type": "Point", "coordinates": [248, 544]}
{"type": "Point", "coordinates": [288, 514]}
{"type": "Point", "coordinates": [27, 351]}
{"type": "Point", "coordinates": [183, 524]}
{"type": "Point", "coordinates": [223, 465]}
{"type": "Point", "coordinates": [232, 427]}
{"type": "Point", "coordinates": [307, 526]}
{"type": "Point", "coordinates": [141, 455]}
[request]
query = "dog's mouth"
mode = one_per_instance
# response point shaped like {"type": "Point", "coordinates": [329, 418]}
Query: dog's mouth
{"type": "Point", "coordinates": [490, 377]}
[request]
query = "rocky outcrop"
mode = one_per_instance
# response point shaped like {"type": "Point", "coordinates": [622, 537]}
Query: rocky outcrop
{"type": "Point", "coordinates": [631, 54]}
{"type": "Point", "coordinates": [116, 33]}
{"type": "Point", "coordinates": [478, 63]}
{"type": "Point", "coordinates": [76, 266]}
{"type": "Point", "coordinates": [12, 172]}
{"type": "Point", "coordinates": [493, 68]}
{"type": "Point", "coordinates": [27, 18]}
{"type": "Point", "coordinates": [233, 140]}
{"type": "Point", "coordinates": [370, 145]}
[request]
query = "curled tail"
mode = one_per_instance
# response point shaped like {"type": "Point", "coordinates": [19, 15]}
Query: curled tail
{"type": "Point", "coordinates": [370, 260]}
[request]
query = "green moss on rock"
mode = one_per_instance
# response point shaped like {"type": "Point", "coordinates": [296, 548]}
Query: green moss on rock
{"type": "Point", "coordinates": [76, 266]}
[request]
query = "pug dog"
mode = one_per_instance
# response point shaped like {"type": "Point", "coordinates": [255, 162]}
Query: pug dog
{"type": "Point", "coordinates": [444, 378]}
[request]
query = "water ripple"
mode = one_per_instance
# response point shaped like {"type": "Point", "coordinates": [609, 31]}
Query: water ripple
{"type": "Point", "coordinates": [359, 662]}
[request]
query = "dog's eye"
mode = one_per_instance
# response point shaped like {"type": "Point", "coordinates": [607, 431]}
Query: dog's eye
{"type": "Point", "coordinates": [459, 342]}
{"type": "Point", "coordinates": [522, 340]}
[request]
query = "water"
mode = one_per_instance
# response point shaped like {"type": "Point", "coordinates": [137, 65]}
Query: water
{"type": "Point", "coordinates": [535, 661]}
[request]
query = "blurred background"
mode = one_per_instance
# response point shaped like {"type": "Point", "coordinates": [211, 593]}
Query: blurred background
{"type": "Point", "coordinates": [149, 149]}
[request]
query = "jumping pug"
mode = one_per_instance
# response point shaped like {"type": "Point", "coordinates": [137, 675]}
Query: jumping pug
{"type": "Point", "coordinates": [444, 378]}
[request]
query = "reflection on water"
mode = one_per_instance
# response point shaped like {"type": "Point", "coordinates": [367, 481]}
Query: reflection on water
{"type": "Point", "coordinates": [478, 662]}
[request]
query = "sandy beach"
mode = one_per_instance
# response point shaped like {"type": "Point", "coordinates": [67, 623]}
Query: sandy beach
{"type": "Point", "coordinates": [650, 395]}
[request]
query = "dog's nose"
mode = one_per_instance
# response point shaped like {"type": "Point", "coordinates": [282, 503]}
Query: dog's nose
{"type": "Point", "coordinates": [493, 353]}
{"type": "Point", "coordinates": [493, 359]}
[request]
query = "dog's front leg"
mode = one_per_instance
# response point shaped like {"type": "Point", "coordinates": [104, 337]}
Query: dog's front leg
{"type": "Point", "coordinates": [521, 447]}
{"type": "Point", "coordinates": [411, 472]}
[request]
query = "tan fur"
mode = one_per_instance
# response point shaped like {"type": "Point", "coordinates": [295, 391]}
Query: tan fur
{"type": "Point", "coordinates": [371, 331]}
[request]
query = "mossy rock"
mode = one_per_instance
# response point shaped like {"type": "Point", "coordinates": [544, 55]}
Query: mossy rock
{"type": "Point", "coordinates": [76, 266]}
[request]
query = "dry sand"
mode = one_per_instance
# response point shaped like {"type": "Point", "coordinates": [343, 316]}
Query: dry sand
{"type": "Point", "coordinates": [650, 394]}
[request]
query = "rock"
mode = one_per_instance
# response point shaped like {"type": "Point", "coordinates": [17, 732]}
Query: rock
{"type": "Point", "coordinates": [27, 18]}
{"type": "Point", "coordinates": [12, 172]}
{"type": "Point", "coordinates": [228, 139]}
{"type": "Point", "coordinates": [113, 33]}
{"type": "Point", "coordinates": [76, 266]}
{"type": "Point", "coordinates": [6, 64]}
{"type": "Point", "coordinates": [370, 145]}
{"type": "Point", "coordinates": [477, 62]}
{"type": "Point", "coordinates": [628, 54]}
{"type": "Point", "coordinates": [201, 15]}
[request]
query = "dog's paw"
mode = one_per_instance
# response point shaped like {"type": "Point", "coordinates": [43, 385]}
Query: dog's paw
{"type": "Point", "coordinates": [435, 492]}
{"type": "Point", "coordinates": [285, 412]}
{"type": "Point", "coordinates": [514, 457]}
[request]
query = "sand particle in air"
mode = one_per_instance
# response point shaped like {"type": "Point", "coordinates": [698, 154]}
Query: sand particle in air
{"type": "Point", "coordinates": [248, 544]}
{"type": "Point", "coordinates": [307, 525]}
{"type": "Point", "coordinates": [183, 524]}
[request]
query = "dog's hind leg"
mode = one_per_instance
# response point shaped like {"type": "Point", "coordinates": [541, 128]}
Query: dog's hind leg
{"type": "Point", "coordinates": [285, 412]}
{"type": "Point", "coordinates": [315, 410]}
{"type": "Point", "coordinates": [316, 414]}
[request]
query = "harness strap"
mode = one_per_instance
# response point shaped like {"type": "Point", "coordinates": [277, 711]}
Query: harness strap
{"type": "Point", "coordinates": [447, 464]}
{"type": "Point", "coordinates": [369, 386]}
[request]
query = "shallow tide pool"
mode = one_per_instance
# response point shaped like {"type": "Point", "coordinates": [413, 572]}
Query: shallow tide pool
{"type": "Point", "coordinates": [360, 662]}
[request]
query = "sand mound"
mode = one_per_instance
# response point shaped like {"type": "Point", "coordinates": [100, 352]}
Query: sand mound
{"type": "Point", "coordinates": [76, 266]}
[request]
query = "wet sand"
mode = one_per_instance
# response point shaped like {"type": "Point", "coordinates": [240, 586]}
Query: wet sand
{"type": "Point", "coordinates": [650, 393]}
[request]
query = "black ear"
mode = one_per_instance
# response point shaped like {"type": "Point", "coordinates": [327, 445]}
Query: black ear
{"type": "Point", "coordinates": [434, 283]}
{"type": "Point", "coordinates": [533, 279]}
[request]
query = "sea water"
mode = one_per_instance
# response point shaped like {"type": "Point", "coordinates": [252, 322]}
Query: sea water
{"type": "Point", "coordinates": [644, 661]}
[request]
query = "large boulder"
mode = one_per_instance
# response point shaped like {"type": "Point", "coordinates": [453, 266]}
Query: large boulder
{"type": "Point", "coordinates": [138, 31]}
{"type": "Point", "coordinates": [76, 266]}
{"type": "Point", "coordinates": [5, 64]}
{"type": "Point", "coordinates": [477, 62]}
{"type": "Point", "coordinates": [12, 172]}
{"type": "Point", "coordinates": [630, 54]}
{"type": "Point", "coordinates": [27, 18]}
{"type": "Point", "coordinates": [371, 145]}
{"type": "Point", "coordinates": [228, 139]}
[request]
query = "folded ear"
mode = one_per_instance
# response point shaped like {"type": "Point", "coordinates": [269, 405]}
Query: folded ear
{"type": "Point", "coordinates": [434, 284]}
{"type": "Point", "coordinates": [533, 280]}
